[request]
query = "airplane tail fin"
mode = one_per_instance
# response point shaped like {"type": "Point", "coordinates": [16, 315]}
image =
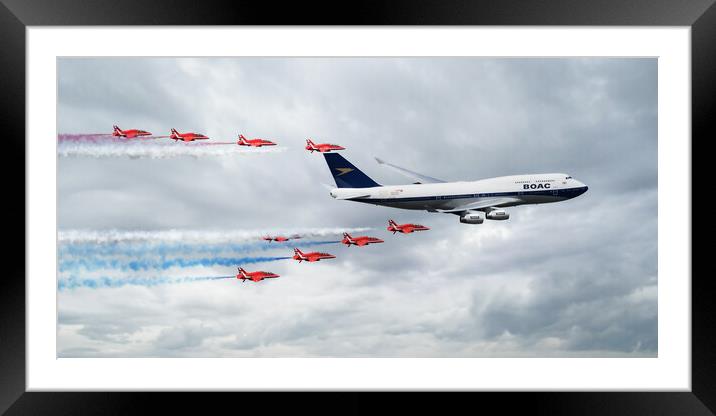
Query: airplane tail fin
{"type": "Point", "coordinates": [346, 174]}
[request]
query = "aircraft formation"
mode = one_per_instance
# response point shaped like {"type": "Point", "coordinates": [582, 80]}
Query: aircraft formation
{"type": "Point", "coordinates": [241, 140]}
{"type": "Point", "coordinates": [314, 256]}
{"type": "Point", "coordinates": [472, 201]}
{"type": "Point", "coordinates": [186, 137]}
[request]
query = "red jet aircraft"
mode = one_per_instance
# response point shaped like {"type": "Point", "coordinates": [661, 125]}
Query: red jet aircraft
{"type": "Point", "coordinates": [322, 147]}
{"type": "Point", "coordinates": [405, 228]}
{"type": "Point", "coordinates": [129, 134]}
{"type": "Point", "coordinates": [312, 256]}
{"type": "Point", "coordinates": [186, 137]}
{"type": "Point", "coordinates": [243, 141]}
{"type": "Point", "coordinates": [280, 238]}
{"type": "Point", "coordinates": [359, 241]}
{"type": "Point", "coordinates": [254, 276]}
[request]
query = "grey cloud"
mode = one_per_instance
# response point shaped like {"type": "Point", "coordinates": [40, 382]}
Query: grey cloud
{"type": "Point", "coordinates": [573, 278]}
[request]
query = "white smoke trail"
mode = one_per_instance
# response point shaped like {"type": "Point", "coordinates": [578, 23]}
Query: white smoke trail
{"type": "Point", "coordinates": [193, 236]}
{"type": "Point", "coordinates": [74, 282]}
{"type": "Point", "coordinates": [153, 150]}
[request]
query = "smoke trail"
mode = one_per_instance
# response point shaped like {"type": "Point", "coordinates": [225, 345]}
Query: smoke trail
{"type": "Point", "coordinates": [90, 138]}
{"type": "Point", "coordinates": [153, 149]}
{"type": "Point", "coordinates": [100, 138]}
{"type": "Point", "coordinates": [195, 236]}
{"type": "Point", "coordinates": [108, 282]}
{"type": "Point", "coordinates": [160, 264]}
{"type": "Point", "coordinates": [114, 258]}
{"type": "Point", "coordinates": [130, 249]}
{"type": "Point", "coordinates": [210, 143]}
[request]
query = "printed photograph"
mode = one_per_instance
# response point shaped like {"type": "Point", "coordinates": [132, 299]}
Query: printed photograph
{"type": "Point", "coordinates": [357, 207]}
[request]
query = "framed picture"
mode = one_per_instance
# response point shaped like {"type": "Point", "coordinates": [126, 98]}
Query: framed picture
{"type": "Point", "coordinates": [210, 204]}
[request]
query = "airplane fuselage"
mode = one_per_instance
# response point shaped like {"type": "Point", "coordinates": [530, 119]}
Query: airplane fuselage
{"type": "Point", "coordinates": [519, 189]}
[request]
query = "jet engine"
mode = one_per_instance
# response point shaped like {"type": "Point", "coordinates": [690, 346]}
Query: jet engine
{"type": "Point", "coordinates": [498, 214]}
{"type": "Point", "coordinates": [472, 218]}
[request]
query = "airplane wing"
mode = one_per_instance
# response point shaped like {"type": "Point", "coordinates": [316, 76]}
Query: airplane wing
{"type": "Point", "coordinates": [481, 204]}
{"type": "Point", "coordinates": [409, 173]}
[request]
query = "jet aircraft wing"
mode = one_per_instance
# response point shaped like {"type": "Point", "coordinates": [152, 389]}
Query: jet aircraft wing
{"type": "Point", "coordinates": [409, 173]}
{"type": "Point", "coordinates": [481, 204]}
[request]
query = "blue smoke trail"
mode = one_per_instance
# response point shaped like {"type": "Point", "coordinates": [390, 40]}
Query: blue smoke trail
{"type": "Point", "coordinates": [161, 264]}
{"type": "Point", "coordinates": [107, 282]}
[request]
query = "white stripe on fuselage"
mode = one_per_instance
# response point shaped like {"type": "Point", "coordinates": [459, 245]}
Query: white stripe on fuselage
{"type": "Point", "coordinates": [540, 189]}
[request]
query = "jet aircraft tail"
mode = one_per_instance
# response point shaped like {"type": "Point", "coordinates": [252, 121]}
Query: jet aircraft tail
{"type": "Point", "coordinates": [346, 174]}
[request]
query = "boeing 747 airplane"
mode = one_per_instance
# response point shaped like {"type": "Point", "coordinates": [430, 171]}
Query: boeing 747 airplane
{"type": "Point", "coordinates": [473, 201]}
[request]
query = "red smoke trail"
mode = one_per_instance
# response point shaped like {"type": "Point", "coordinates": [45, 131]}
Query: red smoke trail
{"type": "Point", "coordinates": [92, 138]}
{"type": "Point", "coordinates": [109, 138]}
{"type": "Point", "coordinates": [101, 138]}
{"type": "Point", "coordinates": [211, 144]}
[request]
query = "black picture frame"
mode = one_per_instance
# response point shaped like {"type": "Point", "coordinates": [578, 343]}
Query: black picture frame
{"type": "Point", "coordinates": [16, 15]}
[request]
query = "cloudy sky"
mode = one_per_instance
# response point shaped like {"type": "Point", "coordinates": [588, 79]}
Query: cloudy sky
{"type": "Point", "coordinates": [575, 278]}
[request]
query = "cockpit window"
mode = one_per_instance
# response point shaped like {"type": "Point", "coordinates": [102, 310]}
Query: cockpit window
{"type": "Point", "coordinates": [568, 177]}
